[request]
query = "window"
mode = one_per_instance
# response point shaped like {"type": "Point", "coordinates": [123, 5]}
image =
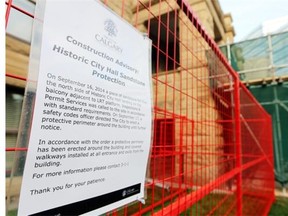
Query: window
{"type": "Point", "coordinates": [163, 157]}
{"type": "Point", "coordinates": [14, 100]}
{"type": "Point", "coordinates": [163, 31]}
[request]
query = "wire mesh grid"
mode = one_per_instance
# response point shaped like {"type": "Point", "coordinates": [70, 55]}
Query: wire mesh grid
{"type": "Point", "coordinates": [212, 147]}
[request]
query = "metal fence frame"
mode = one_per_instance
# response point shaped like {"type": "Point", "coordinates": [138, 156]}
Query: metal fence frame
{"type": "Point", "coordinates": [268, 83]}
{"type": "Point", "coordinates": [239, 178]}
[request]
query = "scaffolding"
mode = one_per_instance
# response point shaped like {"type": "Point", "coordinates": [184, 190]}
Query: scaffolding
{"type": "Point", "coordinates": [261, 58]}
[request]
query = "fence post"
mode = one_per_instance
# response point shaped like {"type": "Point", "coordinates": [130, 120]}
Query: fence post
{"type": "Point", "coordinates": [238, 145]}
{"type": "Point", "coordinates": [7, 14]}
{"type": "Point", "coordinates": [229, 53]}
{"type": "Point", "coordinates": [270, 51]}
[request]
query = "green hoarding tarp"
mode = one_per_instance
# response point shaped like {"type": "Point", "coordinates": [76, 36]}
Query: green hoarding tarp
{"type": "Point", "coordinates": [274, 98]}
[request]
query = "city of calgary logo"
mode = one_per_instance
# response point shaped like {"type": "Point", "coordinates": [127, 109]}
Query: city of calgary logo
{"type": "Point", "coordinates": [110, 39]}
{"type": "Point", "coordinates": [110, 27]}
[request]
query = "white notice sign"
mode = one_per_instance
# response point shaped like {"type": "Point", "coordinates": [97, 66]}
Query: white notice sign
{"type": "Point", "coordinates": [91, 129]}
